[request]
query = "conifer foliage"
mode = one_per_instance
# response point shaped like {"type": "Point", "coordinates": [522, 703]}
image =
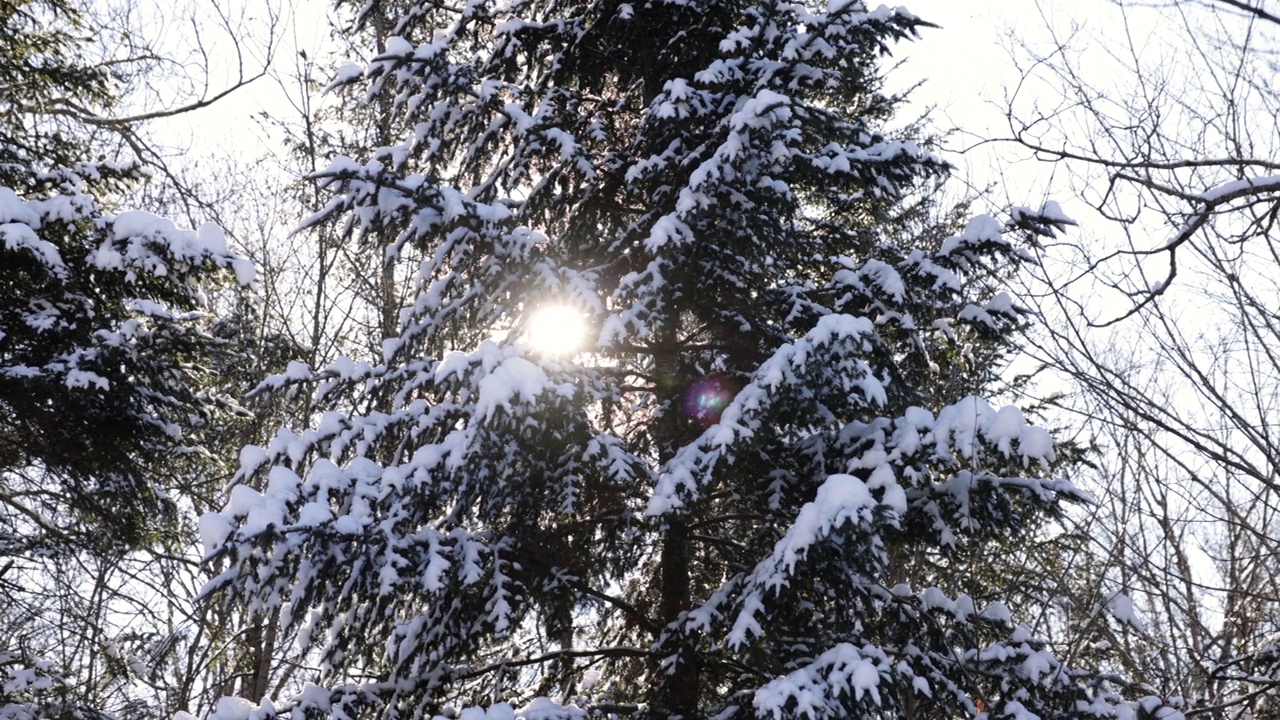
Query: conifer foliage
{"type": "Point", "coordinates": [99, 334]}
{"type": "Point", "coordinates": [702, 512]}
{"type": "Point", "coordinates": [103, 342]}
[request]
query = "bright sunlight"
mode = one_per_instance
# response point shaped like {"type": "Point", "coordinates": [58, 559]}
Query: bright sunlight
{"type": "Point", "coordinates": [557, 329]}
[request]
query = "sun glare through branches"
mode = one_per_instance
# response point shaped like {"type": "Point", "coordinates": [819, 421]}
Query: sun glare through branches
{"type": "Point", "coordinates": [557, 330]}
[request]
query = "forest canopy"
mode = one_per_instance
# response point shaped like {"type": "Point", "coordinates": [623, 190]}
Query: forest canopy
{"type": "Point", "coordinates": [567, 359]}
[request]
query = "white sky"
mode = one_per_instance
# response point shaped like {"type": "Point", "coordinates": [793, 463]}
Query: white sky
{"type": "Point", "coordinates": [964, 63]}
{"type": "Point", "coordinates": [966, 67]}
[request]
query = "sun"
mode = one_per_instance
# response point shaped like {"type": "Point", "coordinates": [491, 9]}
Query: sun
{"type": "Point", "coordinates": [557, 330]}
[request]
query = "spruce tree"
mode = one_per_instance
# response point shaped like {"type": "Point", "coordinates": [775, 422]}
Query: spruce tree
{"type": "Point", "coordinates": [105, 354]}
{"type": "Point", "coordinates": [708, 509]}
{"type": "Point", "coordinates": [99, 330]}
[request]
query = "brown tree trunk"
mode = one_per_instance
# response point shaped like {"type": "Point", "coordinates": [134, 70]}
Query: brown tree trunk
{"type": "Point", "coordinates": [677, 696]}
{"type": "Point", "coordinates": [261, 641]}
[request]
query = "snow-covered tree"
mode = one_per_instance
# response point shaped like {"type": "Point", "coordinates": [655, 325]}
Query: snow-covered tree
{"type": "Point", "coordinates": [105, 358]}
{"type": "Point", "coordinates": [102, 340]}
{"type": "Point", "coordinates": [709, 507]}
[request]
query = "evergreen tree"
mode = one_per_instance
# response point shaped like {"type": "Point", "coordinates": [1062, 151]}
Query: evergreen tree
{"type": "Point", "coordinates": [105, 352]}
{"type": "Point", "coordinates": [707, 510]}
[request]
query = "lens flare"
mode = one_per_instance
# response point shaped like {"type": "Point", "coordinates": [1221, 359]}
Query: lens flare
{"type": "Point", "coordinates": [706, 399]}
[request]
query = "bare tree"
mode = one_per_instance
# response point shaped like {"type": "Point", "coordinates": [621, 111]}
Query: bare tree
{"type": "Point", "coordinates": [1168, 328]}
{"type": "Point", "coordinates": [1168, 122]}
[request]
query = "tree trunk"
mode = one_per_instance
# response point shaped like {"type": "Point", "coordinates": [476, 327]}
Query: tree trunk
{"type": "Point", "coordinates": [261, 641]}
{"type": "Point", "coordinates": [677, 697]}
